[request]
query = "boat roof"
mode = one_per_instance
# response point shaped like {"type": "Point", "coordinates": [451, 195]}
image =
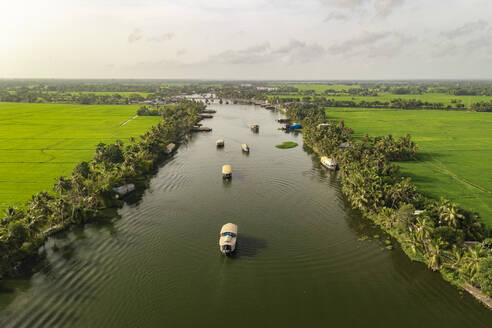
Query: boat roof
{"type": "Point", "coordinates": [327, 159]}
{"type": "Point", "coordinates": [220, 140]}
{"type": "Point", "coordinates": [226, 168]}
{"type": "Point", "coordinates": [244, 145]}
{"type": "Point", "coordinates": [229, 227]}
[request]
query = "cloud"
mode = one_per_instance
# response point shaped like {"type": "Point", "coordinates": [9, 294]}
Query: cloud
{"type": "Point", "coordinates": [294, 52]}
{"type": "Point", "coordinates": [372, 44]}
{"type": "Point", "coordinates": [335, 16]}
{"type": "Point", "coordinates": [386, 7]}
{"type": "Point", "coordinates": [379, 7]}
{"type": "Point", "coordinates": [350, 45]}
{"type": "Point", "coordinates": [465, 29]}
{"type": "Point", "coordinates": [135, 35]}
{"type": "Point", "coordinates": [471, 37]}
{"type": "Point", "coordinates": [161, 38]}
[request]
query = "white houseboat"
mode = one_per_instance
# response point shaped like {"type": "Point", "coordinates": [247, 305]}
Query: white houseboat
{"type": "Point", "coordinates": [228, 238]}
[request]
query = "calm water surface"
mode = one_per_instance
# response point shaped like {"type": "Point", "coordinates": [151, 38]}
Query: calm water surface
{"type": "Point", "coordinates": [300, 260]}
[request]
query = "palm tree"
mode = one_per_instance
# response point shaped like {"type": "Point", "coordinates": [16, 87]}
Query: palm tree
{"type": "Point", "coordinates": [435, 254]}
{"type": "Point", "coordinates": [472, 259]}
{"type": "Point", "coordinates": [449, 214]}
{"type": "Point", "coordinates": [458, 255]}
{"type": "Point", "coordinates": [423, 231]}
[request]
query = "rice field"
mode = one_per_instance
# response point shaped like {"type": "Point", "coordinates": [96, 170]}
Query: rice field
{"type": "Point", "coordinates": [455, 150]}
{"type": "Point", "coordinates": [40, 142]}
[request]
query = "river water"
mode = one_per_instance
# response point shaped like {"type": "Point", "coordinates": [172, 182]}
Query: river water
{"type": "Point", "coordinates": [304, 257]}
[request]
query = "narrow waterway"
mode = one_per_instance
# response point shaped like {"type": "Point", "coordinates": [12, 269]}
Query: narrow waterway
{"type": "Point", "coordinates": [304, 258]}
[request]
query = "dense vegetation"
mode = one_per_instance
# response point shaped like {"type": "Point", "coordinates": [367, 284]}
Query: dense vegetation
{"type": "Point", "coordinates": [445, 95]}
{"type": "Point", "coordinates": [84, 194]}
{"type": "Point", "coordinates": [447, 238]}
{"type": "Point", "coordinates": [97, 91]}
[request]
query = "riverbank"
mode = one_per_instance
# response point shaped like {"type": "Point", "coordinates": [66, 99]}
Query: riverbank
{"type": "Point", "coordinates": [429, 231]}
{"type": "Point", "coordinates": [84, 196]}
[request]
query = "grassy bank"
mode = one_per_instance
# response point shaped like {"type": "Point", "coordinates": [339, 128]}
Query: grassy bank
{"type": "Point", "coordinates": [40, 142]}
{"type": "Point", "coordinates": [455, 149]}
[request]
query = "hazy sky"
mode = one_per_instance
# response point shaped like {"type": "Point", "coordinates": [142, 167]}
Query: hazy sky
{"type": "Point", "coordinates": [252, 39]}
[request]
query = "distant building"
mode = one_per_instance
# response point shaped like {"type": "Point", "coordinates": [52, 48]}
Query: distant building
{"type": "Point", "coordinates": [266, 88]}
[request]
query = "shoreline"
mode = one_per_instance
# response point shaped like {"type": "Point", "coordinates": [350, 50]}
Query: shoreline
{"type": "Point", "coordinates": [484, 299]}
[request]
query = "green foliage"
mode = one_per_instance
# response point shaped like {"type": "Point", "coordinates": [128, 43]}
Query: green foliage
{"type": "Point", "coordinates": [484, 275]}
{"type": "Point", "coordinates": [287, 145]}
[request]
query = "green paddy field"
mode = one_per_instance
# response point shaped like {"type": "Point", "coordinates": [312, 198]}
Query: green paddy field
{"type": "Point", "coordinates": [40, 142]}
{"type": "Point", "coordinates": [455, 150]}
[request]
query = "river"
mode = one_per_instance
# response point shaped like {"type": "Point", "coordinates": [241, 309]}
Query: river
{"type": "Point", "coordinates": [304, 257]}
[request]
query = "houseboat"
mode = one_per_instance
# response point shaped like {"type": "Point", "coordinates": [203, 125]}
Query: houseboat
{"type": "Point", "coordinates": [220, 143]}
{"type": "Point", "coordinates": [245, 148]}
{"type": "Point", "coordinates": [329, 163]}
{"type": "Point", "coordinates": [228, 238]}
{"type": "Point", "coordinates": [226, 171]}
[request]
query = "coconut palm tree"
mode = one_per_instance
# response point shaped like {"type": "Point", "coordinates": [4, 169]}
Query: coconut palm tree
{"type": "Point", "coordinates": [435, 254]}
{"type": "Point", "coordinates": [472, 259]}
{"type": "Point", "coordinates": [449, 214]}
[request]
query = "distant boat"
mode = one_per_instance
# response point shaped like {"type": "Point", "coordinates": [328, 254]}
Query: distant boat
{"type": "Point", "coordinates": [226, 171]}
{"type": "Point", "coordinates": [220, 143]}
{"type": "Point", "coordinates": [329, 163]}
{"type": "Point", "coordinates": [255, 128]}
{"type": "Point", "coordinates": [245, 148]}
{"type": "Point", "coordinates": [228, 238]}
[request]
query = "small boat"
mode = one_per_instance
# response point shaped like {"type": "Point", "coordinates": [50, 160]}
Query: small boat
{"type": "Point", "coordinates": [245, 148]}
{"type": "Point", "coordinates": [255, 127]}
{"type": "Point", "coordinates": [170, 148]}
{"type": "Point", "coordinates": [226, 171]}
{"type": "Point", "coordinates": [199, 128]}
{"type": "Point", "coordinates": [329, 163]}
{"type": "Point", "coordinates": [228, 238]}
{"type": "Point", "coordinates": [294, 126]}
{"type": "Point", "coordinates": [123, 190]}
{"type": "Point", "coordinates": [220, 143]}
